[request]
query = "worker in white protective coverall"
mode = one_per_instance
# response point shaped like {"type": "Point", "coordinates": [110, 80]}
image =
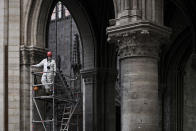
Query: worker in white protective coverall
{"type": "Point", "coordinates": [49, 71]}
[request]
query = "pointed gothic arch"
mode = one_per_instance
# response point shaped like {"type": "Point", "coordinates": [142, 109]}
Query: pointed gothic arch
{"type": "Point", "coordinates": [34, 43]}
{"type": "Point", "coordinates": [37, 18]}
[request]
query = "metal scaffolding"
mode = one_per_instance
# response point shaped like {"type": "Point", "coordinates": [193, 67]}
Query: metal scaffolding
{"type": "Point", "coordinates": [56, 110]}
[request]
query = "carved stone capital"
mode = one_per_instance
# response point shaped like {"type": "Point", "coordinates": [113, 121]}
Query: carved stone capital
{"type": "Point", "coordinates": [141, 39]}
{"type": "Point", "coordinates": [138, 44]}
{"type": "Point", "coordinates": [31, 55]}
{"type": "Point", "coordinates": [89, 76]}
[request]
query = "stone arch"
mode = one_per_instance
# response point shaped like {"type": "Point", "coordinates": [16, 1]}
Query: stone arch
{"type": "Point", "coordinates": [173, 92]}
{"type": "Point", "coordinates": [173, 61]}
{"type": "Point", "coordinates": [36, 24]}
{"type": "Point", "coordinates": [33, 47]}
{"type": "Point", "coordinates": [186, 14]}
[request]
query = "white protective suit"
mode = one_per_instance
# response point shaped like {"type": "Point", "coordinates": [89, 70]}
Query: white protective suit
{"type": "Point", "coordinates": [49, 72]}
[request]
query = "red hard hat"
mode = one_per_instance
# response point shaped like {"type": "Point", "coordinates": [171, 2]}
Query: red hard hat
{"type": "Point", "coordinates": [49, 54]}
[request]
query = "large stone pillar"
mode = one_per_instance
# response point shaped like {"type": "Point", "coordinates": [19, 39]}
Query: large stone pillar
{"type": "Point", "coordinates": [139, 53]}
{"type": "Point", "coordinates": [138, 31]}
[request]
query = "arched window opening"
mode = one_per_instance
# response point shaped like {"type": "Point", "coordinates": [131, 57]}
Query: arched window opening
{"type": "Point", "coordinates": [64, 40]}
{"type": "Point", "coordinates": [59, 12]}
{"type": "Point", "coordinates": [62, 109]}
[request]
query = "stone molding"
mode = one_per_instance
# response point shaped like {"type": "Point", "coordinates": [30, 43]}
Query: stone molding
{"type": "Point", "coordinates": [140, 39]}
{"type": "Point", "coordinates": [128, 15]}
{"type": "Point", "coordinates": [31, 55]}
{"type": "Point", "coordinates": [91, 75]}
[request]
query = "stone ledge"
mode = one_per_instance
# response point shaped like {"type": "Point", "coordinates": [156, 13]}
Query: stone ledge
{"type": "Point", "coordinates": [139, 26]}
{"type": "Point", "coordinates": [30, 54]}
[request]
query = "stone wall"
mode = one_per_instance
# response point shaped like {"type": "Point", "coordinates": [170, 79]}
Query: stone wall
{"type": "Point", "coordinates": [14, 65]}
{"type": "Point", "coordinates": [3, 42]}
{"type": "Point", "coordinates": [189, 98]}
{"type": "Point", "coordinates": [66, 28]}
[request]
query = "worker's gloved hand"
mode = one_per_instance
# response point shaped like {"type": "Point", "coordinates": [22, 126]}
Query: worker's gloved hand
{"type": "Point", "coordinates": [33, 66]}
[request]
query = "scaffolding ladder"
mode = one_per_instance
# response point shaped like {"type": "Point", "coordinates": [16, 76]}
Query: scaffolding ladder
{"type": "Point", "coordinates": [67, 115]}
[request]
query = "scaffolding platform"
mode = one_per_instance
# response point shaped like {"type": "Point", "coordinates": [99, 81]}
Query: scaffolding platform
{"type": "Point", "coordinates": [56, 110]}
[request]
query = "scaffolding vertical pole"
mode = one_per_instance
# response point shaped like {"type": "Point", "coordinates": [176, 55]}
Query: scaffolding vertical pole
{"type": "Point", "coordinates": [53, 101]}
{"type": "Point", "coordinates": [56, 30]}
{"type": "Point", "coordinates": [71, 48]}
{"type": "Point", "coordinates": [56, 60]}
{"type": "Point", "coordinates": [77, 122]}
{"type": "Point", "coordinates": [33, 82]}
{"type": "Point", "coordinates": [53, 115]}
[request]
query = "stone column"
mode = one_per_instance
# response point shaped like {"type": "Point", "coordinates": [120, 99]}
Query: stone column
{"type": "Point", "coordinates": [138, 31]}
{"type": "Point", "coordinates": [99, 99]}
{"type": "Point", "coordinates": [88, 88]}
{"type": "Point", "coordinates": [3, 64]}
{"type": "Point", "coordinates": [28, 55]}
{"type": "Point", "coordinates": [139, 53]}
{"type": "Point", "coordinates": [135, 10]}
{"type": "Point", "coordinates": [129, 10]}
